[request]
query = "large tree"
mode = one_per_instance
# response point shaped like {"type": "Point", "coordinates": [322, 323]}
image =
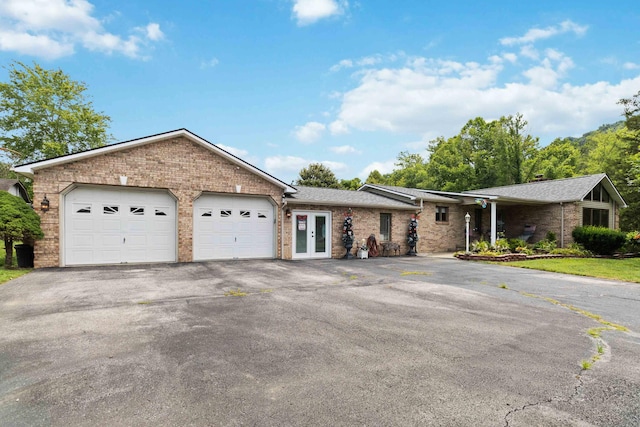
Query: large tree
{"type": "Point", "coordinates": [318, 175]}
{"type": "Point", "coordinates": [18, 222]}
{"type": "Point", "coordinates": [483, 154]}
{"type": "Point", "coordinates": [44, 114]}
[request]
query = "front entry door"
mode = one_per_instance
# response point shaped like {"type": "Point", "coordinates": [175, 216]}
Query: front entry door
{"type": "Point", "coordinates": [311, 234]}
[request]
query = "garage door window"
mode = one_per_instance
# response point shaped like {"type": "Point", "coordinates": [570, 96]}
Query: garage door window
{"type": "Point", "coordinates": [262, 215]}
{"type": "Point", "coordinates": [245, 214]}
{"type": "Point", "coordinates": [110, 210]}
{"type": "Point", "coordinates": [161, 211]}
{"type": "Point", "coordinates": [136, 210]}
{"type": "Point", "coordinates": [225, 213]}
{"type": "Point", "coordinates": [82, 209]}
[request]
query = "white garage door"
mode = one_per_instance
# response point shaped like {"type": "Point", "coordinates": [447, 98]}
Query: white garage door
{"type": "Point", "coordinates": [232, 227]}
{"type": "Point", "coordinates": [118, 225]}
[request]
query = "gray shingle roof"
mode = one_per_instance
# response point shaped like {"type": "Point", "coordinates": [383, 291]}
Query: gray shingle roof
{"type": "Point", "coordinates": [411, 192]}
{"type": "Point", "coordinates": [552, 191]}
{"type": "Point", "coordinates": [330, 196]}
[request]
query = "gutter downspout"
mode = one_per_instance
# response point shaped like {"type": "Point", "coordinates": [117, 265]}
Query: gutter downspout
{"type": "Point", "coordinates": [282, 218]}
{"type": "Point", "coordinates": [561, 225]}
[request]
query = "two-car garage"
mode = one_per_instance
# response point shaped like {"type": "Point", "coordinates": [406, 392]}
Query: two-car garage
{"type": "Point", "coordinates": [169, 197]}
{"type": "Point", "coordinates": [113, 225]}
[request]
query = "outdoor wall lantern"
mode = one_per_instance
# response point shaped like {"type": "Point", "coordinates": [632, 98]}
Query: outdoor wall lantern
{"type": "Point", "coordinates": [467, 220]}
{"type": "Point", "coordinates": [44, 205]}
{"type": "Point", "coordinates": [288, 213]}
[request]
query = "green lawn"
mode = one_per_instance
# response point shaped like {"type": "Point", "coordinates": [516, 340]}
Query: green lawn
{"type": "Point", "coordinates": [627, 269]}
{"type": "Point", "coordinates": [6, 275]}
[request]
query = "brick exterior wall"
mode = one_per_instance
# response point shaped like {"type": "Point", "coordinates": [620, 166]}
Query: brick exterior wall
{"type": "Point", "coordinates": [441, 236]}
{"type": "Point", "coordinates": [179, 165]}
{"type": "Point", "coordinates": [366, 221]}
{"type": "Point", "coordinates": [434, 237]}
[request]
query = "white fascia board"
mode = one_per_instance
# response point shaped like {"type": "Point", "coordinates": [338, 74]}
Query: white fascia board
{"type": "Point", "coordinates": [29, 169]}
{"type": "Point", "coordinates": [351, 205]}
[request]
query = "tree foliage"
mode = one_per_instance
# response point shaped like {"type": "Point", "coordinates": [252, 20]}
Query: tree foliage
{"type": "Point", "coordinates": [47, 114]}
{"type": "Point", "coordinates": [484, 154]}
{"type": "Point", "coordinates": [375, 177]}
{"type": "Point", "coordinates": [317, 175]}
{"type": "Point", "coordinates": [18, 222]}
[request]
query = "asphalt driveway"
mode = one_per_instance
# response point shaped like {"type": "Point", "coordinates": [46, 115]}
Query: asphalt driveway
{"type": "Point", "coordinates": [386, 341]}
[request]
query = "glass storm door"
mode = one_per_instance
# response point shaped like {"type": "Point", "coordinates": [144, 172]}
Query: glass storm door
{"type": "Point", "coordinates": [311, 234]}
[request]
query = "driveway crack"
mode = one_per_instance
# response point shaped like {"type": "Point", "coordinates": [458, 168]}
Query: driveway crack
{"type": "Point", "coordinates": [576, 391]}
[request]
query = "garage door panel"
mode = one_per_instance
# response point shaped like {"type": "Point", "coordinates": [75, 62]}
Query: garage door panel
{"type": "Point", "coordinates": [118, 225]}
{"type": "Point", "coordinates": [238, 227]}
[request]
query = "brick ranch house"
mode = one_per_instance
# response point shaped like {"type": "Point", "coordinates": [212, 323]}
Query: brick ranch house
{"type": "Point", "coordinates": [176, 197]}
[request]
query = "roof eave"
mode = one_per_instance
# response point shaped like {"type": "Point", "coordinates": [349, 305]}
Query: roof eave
{"type": "Point", "coordinates": [29, 169]}
{"type": "Point", "coordinates": [352, 205]}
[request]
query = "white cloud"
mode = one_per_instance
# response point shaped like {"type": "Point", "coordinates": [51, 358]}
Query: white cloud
{"type": "Point", "coordinates": [282, 164]}
{"type": "Point", "coordinates": [238, 152]}
{"type": "Point", "coordinates": [53, 28]}
{"type": "Point", "coordinates": [211, 63]}
{"type": "Point", "coordinates": [631, 66]}
{"type": "Point", "coordinates": [309, 132]}
{"type": "Point", "coordinates": [366, 61]}
{"type": "Point", "coordinates": [338, 127]}
{"type": "Point", "coordinates": [345, 63]}
{"type": "Point", "coordinates": [431, 97]}
{"type": "Point", "coordinates": [334, 166]}
{"type": "Point", "coordinates": [310, 11]}
{"type": "Point", "coordinates": [153, 32]}
{"type": "Point", "coordinates": [511, 57]}
{"type": "Point", "coordinates": [288, 164]}
{"type": "Point", "coordinates": [382, 167]}
{"type": "Point", "coordinates": [536, 34]}
{"type": "Point", "coordinates": [344, 149]}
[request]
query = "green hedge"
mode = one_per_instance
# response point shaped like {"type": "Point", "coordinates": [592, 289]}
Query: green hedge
{"type": "Point", "coordinates": [599, 240]}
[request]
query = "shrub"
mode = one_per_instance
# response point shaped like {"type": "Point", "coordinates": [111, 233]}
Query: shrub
{"type": "Point", "coordinates": [501, 245]}
{"type": "Point", "coordinates": [514, 244]}
{"type": "Point", "coordinates": [479, 246]}
{"type": "Point", "coordinates": [632, 243]}
{"type": "Point", "coordinates": [599, 240]}
{"type": "Point", "coordinates": [545, 245]}
{"type": "Point", "coordinates": [551, 236]}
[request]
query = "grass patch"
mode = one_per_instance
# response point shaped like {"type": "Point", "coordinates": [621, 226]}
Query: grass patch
{"type": "Point", "coordinates": [416, 273]}
{"type": "Point", "coordinates": [503, 286]}
{"type": "Point", "coordinates": [600, 348]}
{"type": "Point", "coordinates": [143, 302]}
{"type": "Point", "coordinates": [586, 365]}
{"type": "Point", "coordinates": [266, 291]}
{"type": "Point", "coordinates": [8, 274]}
{"type": "Point", "coordinates": [235, 293]}
{"type": "Point", "coordinates": [627, 269]}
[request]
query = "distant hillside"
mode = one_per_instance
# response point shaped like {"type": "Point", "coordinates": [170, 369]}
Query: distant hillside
{"type": "Point", "coordinates": [581, 140]}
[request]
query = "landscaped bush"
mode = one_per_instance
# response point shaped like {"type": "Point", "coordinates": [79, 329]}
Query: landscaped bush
{"type": "Point", "coordinates": [599, 240]}
{"type": "Point", "coordinates": [573, 249]}
{"type": "Point", "coordinates": [545, 245]}
{"type": "Point", "coordinates": [501, 245]}
{"type": "Point", "coordinates": [479, 246]}
{"type": "Point", "coordinates": [632, 243]}
{"type": "Point", "coordinates": [514, 244]}
{"type": "Point", "coordinates": [551, 236]}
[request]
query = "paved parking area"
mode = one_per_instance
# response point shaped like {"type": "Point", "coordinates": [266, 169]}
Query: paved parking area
{"type": "Point", "coordinates": [386, 341]}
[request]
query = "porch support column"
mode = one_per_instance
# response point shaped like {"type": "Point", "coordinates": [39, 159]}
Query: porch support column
{"type": "Point", "coordinates": [494, 225]}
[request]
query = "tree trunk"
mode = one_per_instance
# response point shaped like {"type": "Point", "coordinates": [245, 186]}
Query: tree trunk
{"type": "Point", "coordinates": [8, 247]}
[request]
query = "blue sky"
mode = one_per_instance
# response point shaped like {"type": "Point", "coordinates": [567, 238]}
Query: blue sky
{"type": "Point", "coordinates": [284, 83]}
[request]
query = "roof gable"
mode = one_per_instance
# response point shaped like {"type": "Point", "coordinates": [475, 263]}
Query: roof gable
{"type": "Point", "coordinates": [28, 169]}
{"type": "Point", "coordinates": [15, 187]}
{"type": "Point", "coordinates": [553, 191]}
{"type": "Point", "coordinates": [350, 198]}
{"type": "Point", "coordinates": [407, 194]}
